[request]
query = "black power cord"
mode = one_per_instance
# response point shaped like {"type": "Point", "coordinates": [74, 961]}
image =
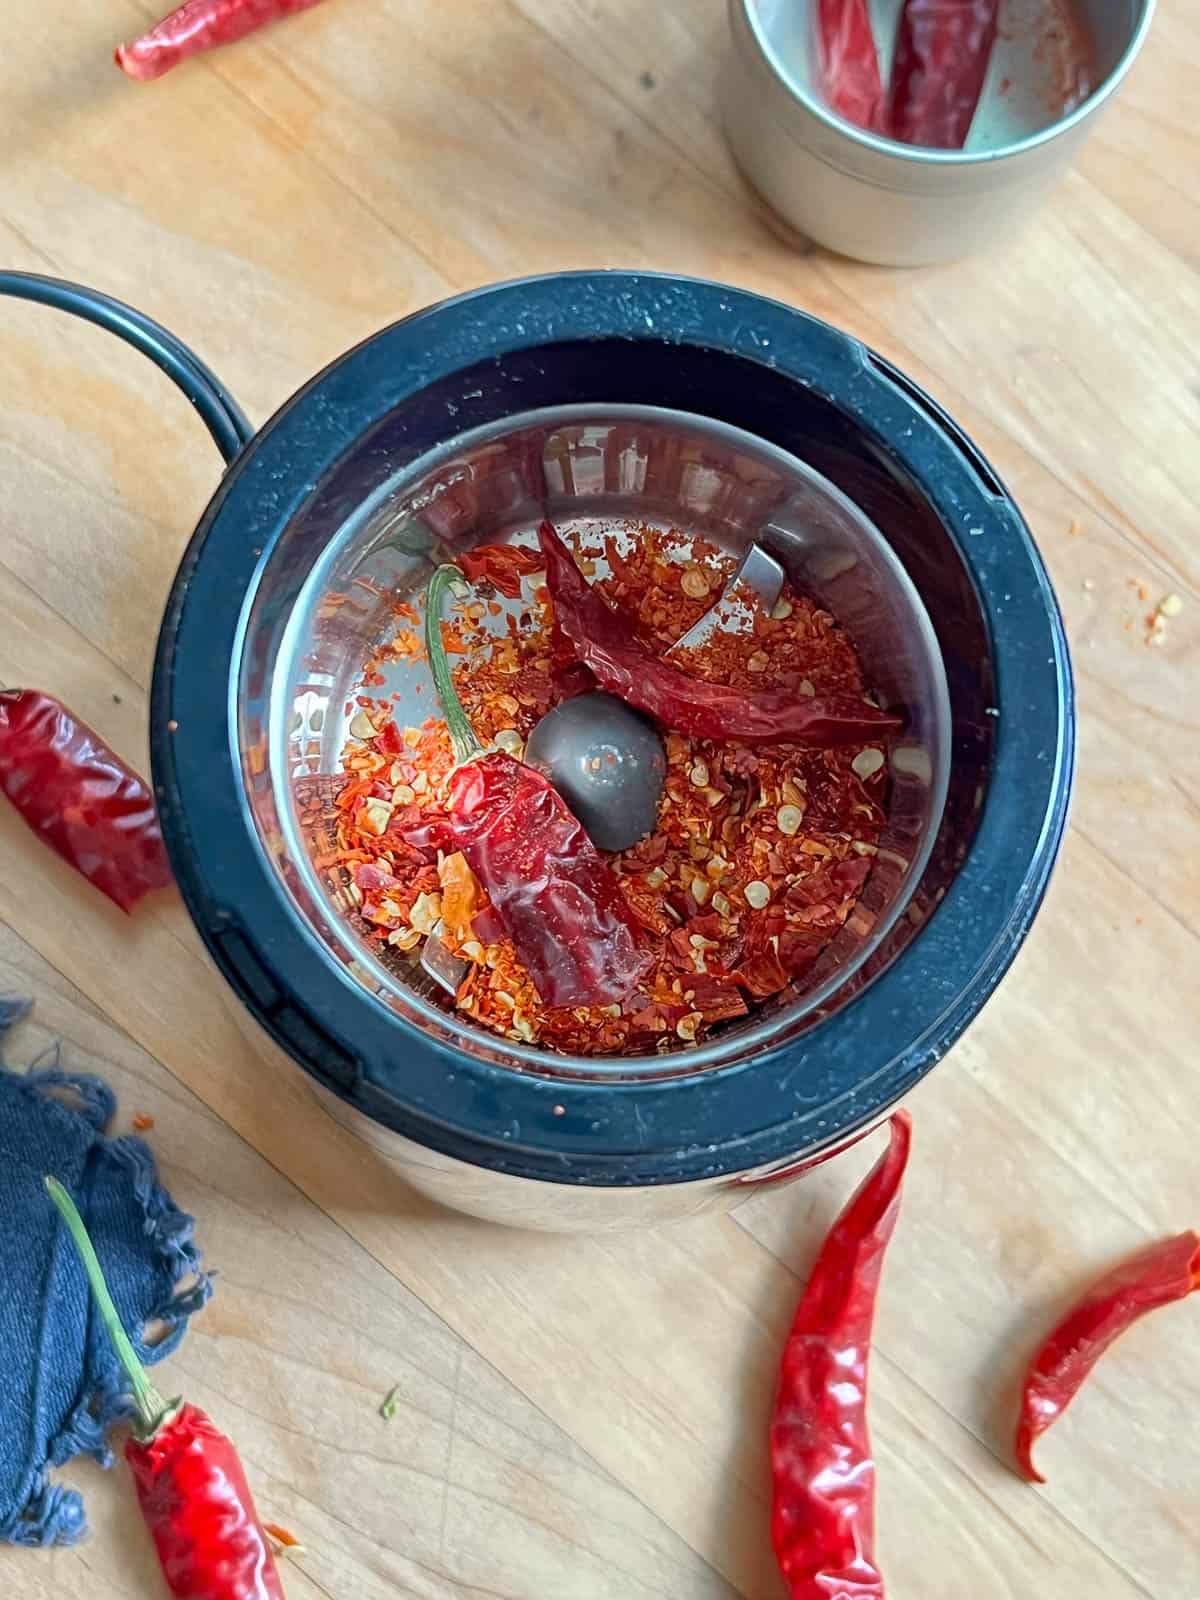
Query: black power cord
{"type": "Point", "coordinates": [219, 411]}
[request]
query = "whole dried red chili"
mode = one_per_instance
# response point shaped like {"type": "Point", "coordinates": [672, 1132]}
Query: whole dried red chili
{"type": "Point", "coordinates": [554, 894]}
{"type": "Point", "coordinates": [823, 1512]}
{"type": "Point", "coordinates": [604, 640]}
{"type": "Point", "coordinates": [199, 25]}
{"type": "Point", "coordinates": [848, 63]}
{"type": "Point", "coordinates": [80, 797]}
{"type": "Point", "coordinates": [942, 55]}
{"type": "Point", "coordinates": [502, 565]}
{"type": "Point", "coordinates": [189, 1480]}
{"type": "Point", "coordinates": [1157, 1276]}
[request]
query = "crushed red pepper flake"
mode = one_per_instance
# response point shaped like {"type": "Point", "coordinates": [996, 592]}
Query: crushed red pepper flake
{"type": "Point", "coordinates": [142, 1123]}
{"type": "Point", "coordinates": [759, 855]}
{"type": "Point", "coordinates": [285, 1541]}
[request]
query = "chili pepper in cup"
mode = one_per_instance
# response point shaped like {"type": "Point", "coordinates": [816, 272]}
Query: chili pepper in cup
{"type": "Point", "coordinates": [605, 641]}
{"type": "Point", "coordinates": [551, 890]}
{"type": "Point", "coordinates": [848, 63]}
{"type": "Point", "coordinates": [1156, 1276]}
{"type": "Point", "coordinates": [942, 55]}
{"type": "Point", "coordinates": [823, 1512]}
{"type": "Point", "coordinates": [189, 1481]}
{"type": "Point", "coordinates": [80, 797]}
{"type": "Point", "coordinates": [195, 26]}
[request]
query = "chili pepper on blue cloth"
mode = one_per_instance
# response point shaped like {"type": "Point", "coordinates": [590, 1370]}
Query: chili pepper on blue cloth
{"type": "Point", "coordinates": [1156, 1276]}
{"type": "Point", "coordinates": [199, 25]}
{"type": "Point", "coordinates": [823, 1511]}
{"type": "Point", "coordinates": [80, 797]}
{"type": "Point", "coordinates": [189, 1481]}
{"type": "Point", "coordinates": [552, 891]}
{"type": "Point", "coordinates": [604, 640]}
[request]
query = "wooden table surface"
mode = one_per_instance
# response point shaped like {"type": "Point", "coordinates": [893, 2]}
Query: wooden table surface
{"type": "Point", "coordinates": [577, 1419]}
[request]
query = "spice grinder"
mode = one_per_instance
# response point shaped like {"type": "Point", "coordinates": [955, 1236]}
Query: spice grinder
{"type": "Point", "coordinates": [598, 399]}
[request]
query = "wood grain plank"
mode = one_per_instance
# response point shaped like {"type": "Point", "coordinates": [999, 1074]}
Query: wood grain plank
{"type": "Point", "coordinates": [468, 1490]}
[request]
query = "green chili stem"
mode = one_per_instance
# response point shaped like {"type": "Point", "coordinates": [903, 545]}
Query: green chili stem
{"type": "Point", "coordinates": [462, 734]}
{"type": "Point", "coordinates": [150, 1404]}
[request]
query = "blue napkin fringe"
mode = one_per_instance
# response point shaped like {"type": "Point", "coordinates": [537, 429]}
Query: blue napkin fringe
{"type": "Point", "coordinates": [48, 1513]}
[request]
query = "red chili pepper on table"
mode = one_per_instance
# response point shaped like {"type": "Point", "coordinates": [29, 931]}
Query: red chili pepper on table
{"type": "Point", "coordinates": [823, 1512]}
{"type": "Point", "coordinates": [551, 890]}
{"type": "Point", "coordinates": [1157, 1276]}
{"type": "Point", "coordinates": [848, 63]}
{"type": "Point", "coordinates": [942, 55]}
{"type": "Point", "coordinates": [189, 1480]}
{"type": "Point", "coordinates": [605, 641]}
{"type": "Point", "coordinates": [80, 797]}
{"type": "Point", "coordinates": [199, 25]}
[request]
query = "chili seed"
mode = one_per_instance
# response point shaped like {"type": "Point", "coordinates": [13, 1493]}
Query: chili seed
{"type": "Point", "coordinates": [789, 819]}
{"type": "Point", "coordinates": [405, 938]}
{"type": "Point", "coordinates": [701, 889]}
{"type": "Point", "coordinates": [699, 775]}
{"type": "Point", "coordinates": [426, 912]}
{"type": "Point", "coordinates": [807, 686]}
{"type": "Point", "coordinates": [420, 783]}
{"type": "Point", "coordinates": [717, 866]}
{"type": "Point", "coordinates": [780, 610]}
{"type": "Point", "coordinates": [510, 741]}
{"type": "Point", "coordinates": [757, 894]}
{"type": "Point", "coordinates": [694, 584]}
{"type": "Point", "coordinates": [472, 950]}
{"type": "Point", "coordinates": [403, 794]}
{"type": "Point", "coordinates": [867, 763]}
{"type": "Point", "coordinates": [655, 878]}
{"type": "Point", "coordinates": [1171, 606]}
{"type": "Point", "coordinates": [686, 1026]}
{"type": "Point", "coordinates": [376, 815]}
{"type": "Point", "coordinates": [721, 905]}
{"type": "Point", "coordinates": [793, 794]}
{"type": "Point", "coordinates": [361, 726]}
{"type": "Point", "coordinates": [758, 662]}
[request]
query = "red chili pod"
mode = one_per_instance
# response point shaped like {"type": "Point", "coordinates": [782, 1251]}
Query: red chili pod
{"type": "Point", "coordinates": [199, 25]}
{"type": "Point", "coordinates": [848, 63]}
{"type": "Point", "coordinates": [823, 1511]}
{"type": "Point", "coordinates": [548, 886]}
{"type": "Point", "coordinates": [190, 1484]}
{"type": "Point", "coordinates": [1156, 1276]}
{"type": "Point", "coordinates": [942, 55]}
{"type": "Point", "coordinates": [604, 640]}
{"type": "Point", "coordinates": [80, 797]}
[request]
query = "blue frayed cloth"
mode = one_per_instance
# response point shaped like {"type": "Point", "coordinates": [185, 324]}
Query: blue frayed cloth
{"type": "Point", "coordinates": [61, 1388]}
